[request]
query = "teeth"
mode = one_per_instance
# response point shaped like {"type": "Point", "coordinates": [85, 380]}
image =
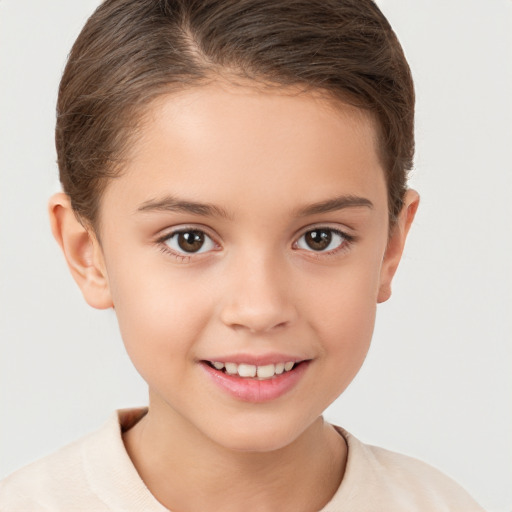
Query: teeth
{"type": "Point", "coordinates": [250, 370]}
{"type": "Point", "coordinates": [231, 368]}
{"type": "Point", "coordinates": [265, 372]}
{"type": "Point", "coordinates": [247, 370]}
{"type": "Point", "coordinates": [279, 368]}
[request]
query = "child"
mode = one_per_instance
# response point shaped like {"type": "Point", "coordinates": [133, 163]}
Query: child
{"type": "Point", "coordinates": [234, 178]}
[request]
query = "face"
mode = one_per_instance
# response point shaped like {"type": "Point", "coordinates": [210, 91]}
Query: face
{"type": "Point", "coordinates": [244, 248]}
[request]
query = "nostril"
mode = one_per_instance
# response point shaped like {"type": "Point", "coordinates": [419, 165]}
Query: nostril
{"type": "Point", "coordinates": [259, 307]}
{"type": "Point", "coordinates": [256, 322]}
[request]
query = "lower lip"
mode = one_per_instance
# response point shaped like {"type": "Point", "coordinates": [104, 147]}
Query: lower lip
{"type": "Point", "coordinates": [254, 390]}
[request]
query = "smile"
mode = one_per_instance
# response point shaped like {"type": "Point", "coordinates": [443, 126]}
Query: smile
{"type": "Point", "coordinates": [263, 372]}
{"type": "Point", "coordinates": [255, 383]}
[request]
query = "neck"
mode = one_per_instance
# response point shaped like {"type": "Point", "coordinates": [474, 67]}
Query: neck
{"type": "Point", "coordinates": [186, 470]}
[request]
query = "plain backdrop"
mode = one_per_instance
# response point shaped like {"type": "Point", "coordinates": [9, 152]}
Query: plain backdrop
{"type": "Point", "coordinates": [437, 383]}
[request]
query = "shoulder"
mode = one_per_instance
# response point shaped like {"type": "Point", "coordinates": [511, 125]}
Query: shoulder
{"type": "Point", "coordinates": [42, 485]}
{"type": "Point", "coordinates": [379, 479]}
{"type": "Point", "coordinates": [93, 473]}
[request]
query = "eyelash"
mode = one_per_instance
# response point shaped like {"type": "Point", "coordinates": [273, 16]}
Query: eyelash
{"type": "Point", "coordinates": [346, 242]}
{"type": "Point", "coordinates": [163, 243]}
{"type": "Point", "coordinates": [182, 257]}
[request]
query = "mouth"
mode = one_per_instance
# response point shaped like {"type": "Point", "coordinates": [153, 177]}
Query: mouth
{"type": "Point", "coordinates": [251, 371]}
{"type": "Point", "coordinates": [256, 383]}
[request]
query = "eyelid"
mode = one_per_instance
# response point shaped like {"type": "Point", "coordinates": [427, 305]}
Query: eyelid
{"type": "Point", "coordinates": [167, 232]}
{"type": "Point", "coordinates": [348, 237]}
{"type": "Point", "coordinates": [344, 230]}
{"type": "Point", "coordinates": [184, 256]}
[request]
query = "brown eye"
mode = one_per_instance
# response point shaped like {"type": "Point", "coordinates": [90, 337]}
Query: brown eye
{"type": "Point", "coordinates": [321, 239]}
{"type": "Point", "coordinates": [190, 241]}
{"type": "Point", "coordinates": [318, 240]}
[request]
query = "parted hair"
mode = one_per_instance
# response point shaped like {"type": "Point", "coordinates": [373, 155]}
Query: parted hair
{"type": "Point", "coordinates": [132, 51]}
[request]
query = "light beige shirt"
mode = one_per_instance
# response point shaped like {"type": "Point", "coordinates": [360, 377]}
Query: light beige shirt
{"type": "Point", "coordinates": [95, 474]}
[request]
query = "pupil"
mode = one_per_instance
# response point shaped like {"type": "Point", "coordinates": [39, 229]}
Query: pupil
{"type": "Point", "coordinates": [319, 239]}
{"type": "Point", "coordinates": [191, 241]}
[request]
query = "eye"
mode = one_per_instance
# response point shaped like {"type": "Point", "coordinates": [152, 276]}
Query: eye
{"type": "Point", "coordinates": [189, 241]}
{"type": "Point", "coordinates": [321, 240]}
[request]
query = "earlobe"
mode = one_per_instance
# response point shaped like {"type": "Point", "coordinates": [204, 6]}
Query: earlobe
{"type": "Point", "coordinates": [396, 244]}
{"type": "Point", "coordinates": [82, 252]}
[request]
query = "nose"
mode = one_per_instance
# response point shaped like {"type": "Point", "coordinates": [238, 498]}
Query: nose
{"type": "Point", "coordinates": [259, 296]}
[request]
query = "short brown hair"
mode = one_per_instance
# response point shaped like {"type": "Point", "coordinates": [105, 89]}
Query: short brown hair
{"type": "Point", "coordinates": [131, 51]}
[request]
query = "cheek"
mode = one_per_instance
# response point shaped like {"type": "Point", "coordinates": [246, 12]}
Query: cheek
{"type": "Point", "coordinates": [347, 295]}
{"type": "Point", "coordinates": [347, 325]}
{"type": "Point", "coordinates": [159, 315]}
{"type": "Point", "coordinates": [344, 318]}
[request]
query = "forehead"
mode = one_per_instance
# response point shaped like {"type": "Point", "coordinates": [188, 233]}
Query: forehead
{"type": "Point", "coordinates": [222, 142]}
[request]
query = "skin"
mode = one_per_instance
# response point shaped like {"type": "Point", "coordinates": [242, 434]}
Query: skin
{"type": "Point", "coordinates": [260, 158]}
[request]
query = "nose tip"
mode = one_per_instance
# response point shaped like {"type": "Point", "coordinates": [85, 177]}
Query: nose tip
{"type": "Point", "coordinates": [259, 302]}
{"type": "Point", "coordinates": [255, 319]}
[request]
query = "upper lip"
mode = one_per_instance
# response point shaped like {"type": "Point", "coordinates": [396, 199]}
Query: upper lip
{"type": "Point", "coordinates": [257, 360]}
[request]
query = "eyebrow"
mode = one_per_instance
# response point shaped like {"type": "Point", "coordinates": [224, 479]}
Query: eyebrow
{"type": "Point", "coordinates": [336, 203]}
{"type": "Point", "coordinates": [173, 204]}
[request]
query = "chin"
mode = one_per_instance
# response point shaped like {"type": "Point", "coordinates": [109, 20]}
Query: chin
{"type": "Point", "coordinates": [258, 436]}
{"type": "Point", "coordinates": [255, 444]}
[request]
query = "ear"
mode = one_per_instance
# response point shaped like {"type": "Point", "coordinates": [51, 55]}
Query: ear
{"type": "Point", "coordinates": [82, 252]}
{"type": "Point", "coordinates": [396, 244]}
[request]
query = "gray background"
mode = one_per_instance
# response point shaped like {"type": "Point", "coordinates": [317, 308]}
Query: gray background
{"type": "Point", "coordinates": [437, 383]}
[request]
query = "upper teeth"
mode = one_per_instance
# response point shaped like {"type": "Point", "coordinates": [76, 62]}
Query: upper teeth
{"type": "Point", "coordinates": [250, 370]}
